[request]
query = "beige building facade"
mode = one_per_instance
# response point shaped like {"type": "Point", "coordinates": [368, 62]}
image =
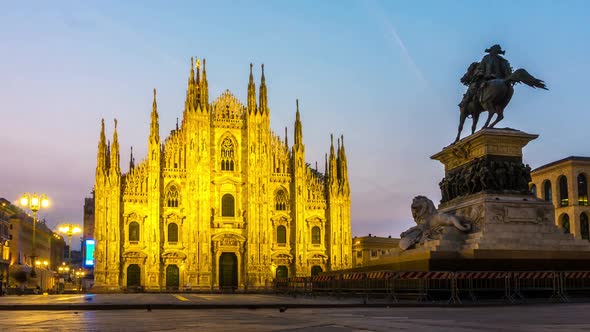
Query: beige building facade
{"type": "Point", "coordinates": [221, 202]}
{"type": "Point", "coordinates": [565, 184]}
{"type": "Point", "coordinates": [369, 250]}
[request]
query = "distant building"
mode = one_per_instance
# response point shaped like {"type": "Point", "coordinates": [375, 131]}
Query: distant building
{"type": "Point", "coordinates": [48, 245]}
{"type": "Point", "coordinates": [4, 244]}
{"type": "Point", "coordinates": [368, 250]}
{"type": "Point", "coordinates": [565, 184]}
{"type": "Point", "coordinates": [88, 230]}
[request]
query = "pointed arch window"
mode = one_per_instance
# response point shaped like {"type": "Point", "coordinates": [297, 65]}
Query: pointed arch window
{"type": "Point", "coordinates": [563, 194]}
{"type": "Point", "coordinates": [227, 155]}
{"type": "Point", "coordinates": [172, 232]}
{"type": "Point", "coordinates": [316, 235]}
{"type": "Point", "coordinates": [281, 235]}
{"type": "Point", "coordinates": [547, 193]}
{"type": "Point", "coordinates": [582, 190]}
{"type": "Point", "coordinates": [281, 201]}
{"type": "Point", "coordinates": [172, 196]}
{"type": "Point", "coordinates": [228, 206]}
{"type": "Point", "coordinates": [133, 232]}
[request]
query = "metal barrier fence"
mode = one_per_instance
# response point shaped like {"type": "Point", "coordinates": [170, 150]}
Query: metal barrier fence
{"type": "Point", "coordinates": [451, 286]}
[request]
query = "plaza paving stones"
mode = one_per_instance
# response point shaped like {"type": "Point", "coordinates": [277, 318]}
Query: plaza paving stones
{"type": "Point", "coordinates": [564, 317]}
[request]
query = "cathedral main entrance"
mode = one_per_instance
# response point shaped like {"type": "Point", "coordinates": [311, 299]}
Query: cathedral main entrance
{"type": "Point", "coordinates": [228, 271]}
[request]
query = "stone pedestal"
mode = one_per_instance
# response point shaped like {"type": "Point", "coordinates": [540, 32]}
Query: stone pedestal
{"type": "Point", "coordinates": [486, 185]}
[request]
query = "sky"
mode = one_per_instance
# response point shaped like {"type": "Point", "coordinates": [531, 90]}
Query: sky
{"type": "Point", "coordinates": [385, 74]}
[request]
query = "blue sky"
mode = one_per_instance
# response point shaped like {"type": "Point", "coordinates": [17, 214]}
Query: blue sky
{"type": "Point", "coordinates": [383, 73]}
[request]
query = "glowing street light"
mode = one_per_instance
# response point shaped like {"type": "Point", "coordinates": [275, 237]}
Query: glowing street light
{"type": "Point", "coordinates": [34, 202]}
{"type": "Point", "coordinates": [70, 230]}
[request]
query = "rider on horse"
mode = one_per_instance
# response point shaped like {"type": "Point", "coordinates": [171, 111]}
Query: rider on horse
{"type": "Point", "coordinates": [492, 66]}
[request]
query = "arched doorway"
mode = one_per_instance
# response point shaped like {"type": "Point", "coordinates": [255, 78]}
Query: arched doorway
{"type": "Point", "coordinates": [315, 270]}
{"type": "Point", "coordinates": [565, 223]}
{"type": "Point", "coordinates": [172, 277]}
{"type": "Point", "coordinates": [282, 271]}
{"type": "Point", "coordinates": [228, 270]}
{"type": "Point", "coordinates": [133, 275]}
{"type": "Point", "coordinates": [584, 227]}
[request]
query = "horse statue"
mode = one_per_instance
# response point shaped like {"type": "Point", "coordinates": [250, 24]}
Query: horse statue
{"type": "Point", "coordinates": [492, 96]}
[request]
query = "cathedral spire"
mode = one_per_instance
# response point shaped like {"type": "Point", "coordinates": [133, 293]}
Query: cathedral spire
{"type": "Point", "coordinates": [286, 138]}
{"type": "Point", "coordinates": [333, 170]}
{"type": "Point", "coordinates": [154, 127]}
{"type": "Point", "coordinates": [189, 92]}
{"type": "Point", "coordinates": [344, 168]}
{"type": "Point", "coordinates": [102, 149]}
{"type": "Point", "coordinates": [251, 93]}
{"type": "Point", "coordinates": [204, 89]}
{"type": "Point", "coordinates": [298, 129]}
{"type": "Point", "coordinates": [115, 156]}
{"type": "Point", "coordinates": [263, 101]}
{"type": "Point", "coordinates": [131, 160]}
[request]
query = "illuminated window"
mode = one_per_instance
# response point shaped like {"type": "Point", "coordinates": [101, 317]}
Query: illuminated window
{"type": "Point", "coordinates": [281, 201]}
{"type": "Point", "coordinates": [133, 232]}
{"type": "Point", "coordinates": [227, 155]}
{"type": "Point", "coordinates": [547, 193]}
{"type": "Point", "coordinates": [227, 206]}
{"type": "Point", "coordinates": [281, 234]}
{"type": "Point", "coordinates": [172, 196]}
{"type": "Point", "coordinates": [582, 190]}
{"type": "Point", "coordinates": [172, 232]}
{"type": "Point", "coordinates": [316, 235]}
{"type": "Point", "coordinates": [563, 195]}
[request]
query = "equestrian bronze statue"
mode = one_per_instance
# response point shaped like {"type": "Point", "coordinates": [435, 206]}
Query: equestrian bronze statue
{"type": "Point", "coordinates": [490, 87]}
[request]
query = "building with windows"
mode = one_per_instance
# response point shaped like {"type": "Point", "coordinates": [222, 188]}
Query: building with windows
{"type": "Point", "coordinates": [47, 252]}
{"type": "Point", "coordinates": [369, 250]}
{"type": "Point", "coordinates": [565, 184]}
{"type": "Point", "coordinates": [4, 244]}
{"type": "Point", "coordinates": [221, 202]}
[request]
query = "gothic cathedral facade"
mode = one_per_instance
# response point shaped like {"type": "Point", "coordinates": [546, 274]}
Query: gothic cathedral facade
{"type": "Point", "coordinates": [222, 202]}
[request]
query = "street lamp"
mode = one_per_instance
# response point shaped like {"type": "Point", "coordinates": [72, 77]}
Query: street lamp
{"type": "Point", "coordinates": [34, 202]}
{"type": "Point", "coordinates": [70, 230]}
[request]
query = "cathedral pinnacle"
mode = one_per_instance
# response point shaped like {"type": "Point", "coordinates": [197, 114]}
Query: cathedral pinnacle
{"type": "Point", "coordinates": [154, 127]}
{"type": "Point", "coordinates": [114, 159]}
{"type": "Point", "coordinates": [204, 98]}
{"type": "Point", "coordinates": [263, 103]}
{"type": "Point", "coordinates": [102, 150]}
{"type": "Point", "coordinates": [251, 93]}
{"type": "Point", "coordinates": [298, 129]}
{"type": "Point", "coordinates": [131, 160]}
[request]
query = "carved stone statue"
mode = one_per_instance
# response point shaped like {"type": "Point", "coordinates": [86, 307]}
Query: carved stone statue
{"type": "Point", "coordinates": [428, 220]}
{"type": "Point", "coordinates": [490, 85]}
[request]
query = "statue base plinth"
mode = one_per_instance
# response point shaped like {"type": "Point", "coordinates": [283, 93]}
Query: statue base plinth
{"type": "Point", "coordinates": [486, 186]}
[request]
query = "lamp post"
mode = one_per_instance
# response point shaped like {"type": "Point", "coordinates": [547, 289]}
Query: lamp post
{"type": "Point", "coordinates": [34, 202]}
{"type": "Point", "coordinates": [70, 230]}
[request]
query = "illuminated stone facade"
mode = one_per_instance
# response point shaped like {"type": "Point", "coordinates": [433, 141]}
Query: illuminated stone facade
{"type": "Point", "coordinates": [564, 183]}
{"type": "Point", "coordinates": [222, 202]}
